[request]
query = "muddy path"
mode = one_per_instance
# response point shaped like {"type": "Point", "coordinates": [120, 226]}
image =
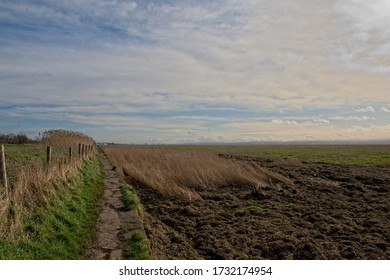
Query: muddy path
{"type": "Point", "coordinates": [333, 211]}
{"type": "Point", "coordinates": [113, 219]}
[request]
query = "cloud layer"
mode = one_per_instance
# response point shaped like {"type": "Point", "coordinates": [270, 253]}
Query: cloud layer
{"type": "Point", "coordinates": [190, 71]}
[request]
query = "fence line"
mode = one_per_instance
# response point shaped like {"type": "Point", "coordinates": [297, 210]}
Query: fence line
{"type": "Point", "coordinates": [48, 155]}
{"type": "Point", "coordinates": [80, 150]}
{"type": "Point", "coordinates": [85, 151]}
{"type": "Point", "coordinates": [3, 170]}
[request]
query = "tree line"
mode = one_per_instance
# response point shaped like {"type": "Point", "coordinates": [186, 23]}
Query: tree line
{"type": "Point", "coordinates": [15, 139]}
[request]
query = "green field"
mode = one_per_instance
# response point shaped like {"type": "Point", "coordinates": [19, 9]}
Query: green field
{"type": "Point", "coordinates": [24, 153]}
{"type": "Point", "coordinates": [353, 154]}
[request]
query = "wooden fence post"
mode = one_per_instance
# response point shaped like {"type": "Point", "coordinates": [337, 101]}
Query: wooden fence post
{"type": "Point", "coordinates": [82, 151]}
{"type": "Point", "coordinates": [4, 170]}
{"type": "Point", "coordinates": [70, 153]}
{"type": "Point", "coordinates": [48, 155]}
{"type": "Point", "coordinates": [79, 150]}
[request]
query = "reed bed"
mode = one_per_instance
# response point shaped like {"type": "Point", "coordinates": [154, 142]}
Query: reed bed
{"type": "Point", "coordinates": [63, 139]}
{"type": "Point", "coordinates": [180, 172]}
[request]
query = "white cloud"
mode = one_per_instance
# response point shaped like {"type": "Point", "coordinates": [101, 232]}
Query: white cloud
{"type": "Point", "coordinates": [318, 120]}
{"type": "Point", "coordinates": [302, 120]}
{"type": "Point", "coordinates": [279, 121]}
{"type": "Point", "coordinates": [366, 24]}
{"type": "Point", "coordinates": [385, 110]}
{"type": "Point", "coordinates": [352, 118]}
{"type": "Point", "coordinates": [197, 59]}
{"type": "Point", "coordinates": [368, 109]}
{"type": "Point", "coordinates": [265, 59]}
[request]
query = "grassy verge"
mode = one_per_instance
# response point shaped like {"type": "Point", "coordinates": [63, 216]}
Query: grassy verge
{"type": "Point", "coordinates": [63, 228]}
{"type": "Point", "coordinates": [137, 246]}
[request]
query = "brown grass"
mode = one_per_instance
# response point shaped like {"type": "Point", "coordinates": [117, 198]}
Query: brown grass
{"type": "Point", "coordinates": [62, 139]}
{"type": "Point", "coordinates": [178, 172]}
{"type": "Point", "coordinates": [36, 182]}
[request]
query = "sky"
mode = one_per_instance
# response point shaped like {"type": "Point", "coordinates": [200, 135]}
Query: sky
{"type": "Point", "coordinates": [185, 71]}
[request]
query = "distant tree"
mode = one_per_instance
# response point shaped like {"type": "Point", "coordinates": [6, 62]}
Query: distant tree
{"type": "Point", "coordinates": [15, 139]}
{"type": "Point", "coordinates": [22, 139]}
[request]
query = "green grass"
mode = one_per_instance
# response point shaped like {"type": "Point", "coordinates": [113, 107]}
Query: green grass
{"type": "Point", "coordinates": [24, 153]}
{"type": "Point", "coordinates": [353, 154]}
{"type": "Point", "coordinates": [129, 197]}
{"type": "Point", "coordinates": [137, 247]}
{"type": "Point", "coordinates": [64, 227]}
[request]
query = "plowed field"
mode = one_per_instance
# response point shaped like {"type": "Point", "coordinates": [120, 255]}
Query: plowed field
{"type": "Point", "coordinates": [331, 211]}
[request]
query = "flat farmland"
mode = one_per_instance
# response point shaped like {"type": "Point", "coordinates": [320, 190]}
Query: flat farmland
{"type": "Point", "coordinates": [308, 202]}
{"type": "Point", "coordinates": [355, 154]}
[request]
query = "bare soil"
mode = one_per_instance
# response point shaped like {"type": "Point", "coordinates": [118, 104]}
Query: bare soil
{"type": "Point", "coordinates": [332, 211]}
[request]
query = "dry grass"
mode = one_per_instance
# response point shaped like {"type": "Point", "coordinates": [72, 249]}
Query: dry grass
{"type": "Point", "coordinates": [62, 139]}
{"type": "Point", "coordinates": [35, 182]}
{"type": "Point", "coordinates": [179, 173]}
{"type": "Point", "coordinates": [35, 185]}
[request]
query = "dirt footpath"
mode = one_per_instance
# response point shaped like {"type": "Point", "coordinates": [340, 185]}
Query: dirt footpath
{"type": "Point", "coordinates": [332, 211]}
{"type": "Point", "coordinates": [113, 220]}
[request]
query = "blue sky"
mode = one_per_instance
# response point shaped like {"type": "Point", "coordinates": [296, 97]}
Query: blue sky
{"type": "Point", "coordinates": [197, 71]}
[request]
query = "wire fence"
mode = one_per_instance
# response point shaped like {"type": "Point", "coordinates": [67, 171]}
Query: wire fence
{"type": "Point", "coordinates": [15, 157]}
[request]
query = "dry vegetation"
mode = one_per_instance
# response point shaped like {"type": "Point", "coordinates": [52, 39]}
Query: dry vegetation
{"type": "Point", "coordinates": [62, 139]}
{"type": "Point", "coordinates": [180, 173]}
{"type": "Point", "coordinates": [330, 211]}
{"type": "Point", "coordinates": [32, 182]}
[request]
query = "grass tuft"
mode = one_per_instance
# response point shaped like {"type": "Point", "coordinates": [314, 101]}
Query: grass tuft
{"type": "Point", "coordinates": [129, 198]}
{"type": "Point", "coordinates": [137, 247]}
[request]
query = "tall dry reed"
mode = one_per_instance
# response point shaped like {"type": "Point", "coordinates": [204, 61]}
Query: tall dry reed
{"type": "Point", "coordinates": [62, 139]}
{"type": "Point", "coordinates": [179, 173]}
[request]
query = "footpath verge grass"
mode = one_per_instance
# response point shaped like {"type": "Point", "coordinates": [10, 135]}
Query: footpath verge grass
{"type": "Point", "coordinates": [129, 197]}
{"type": "Point", "coordinates": [137, 247]}
{"type": "Point", "coordinates": [64, 226]}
